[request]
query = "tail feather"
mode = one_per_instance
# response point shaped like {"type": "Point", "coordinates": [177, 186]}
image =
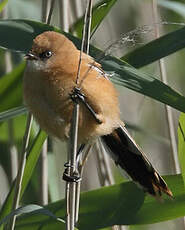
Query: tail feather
{"type": "Point", "coordinates": [129, 157]}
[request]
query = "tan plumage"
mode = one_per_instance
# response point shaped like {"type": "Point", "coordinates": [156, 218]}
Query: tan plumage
{"type": "Point", "coordinates": [51, 84]}
{"type": "Point", "coordinates": [49, 79]}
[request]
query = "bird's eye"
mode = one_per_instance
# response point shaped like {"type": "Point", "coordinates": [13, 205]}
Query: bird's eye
{"type": "Point", "coordinates": [46, 54]}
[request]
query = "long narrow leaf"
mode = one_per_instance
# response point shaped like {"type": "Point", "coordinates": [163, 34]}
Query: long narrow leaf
{"type": "Point", "coordinates": [23, 32]}
{"type": "Point", "coordinates": [181, 144]}
{"type": "Point", "coordinates": [138, 81]}
{"type": "Point", "coordinates": [30, 209]}
{"type": "Point", "coordinates": [99, 12]}
{"type": "Point", "coordinates": [11, 88]}
{"type": "Point", "coordinates": [4, 116]}
{"type": "Point", "coordinates": [99, 208]}
{"type": "Point", "coordinates": [30, 165]}
{"type": "Point", "coordinates": [118, 204]}
{"type": "Point", "coordinates": [153, 212]}
{"type": "Point", "coordinates": [156, 49]}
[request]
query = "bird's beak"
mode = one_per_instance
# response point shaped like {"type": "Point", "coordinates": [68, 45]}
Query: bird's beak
{"type": "Point", "coordinates": [30, 56]}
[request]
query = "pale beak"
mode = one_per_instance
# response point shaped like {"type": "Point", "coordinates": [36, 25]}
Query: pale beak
{"type": "Point", "coordinates": [30, 56]}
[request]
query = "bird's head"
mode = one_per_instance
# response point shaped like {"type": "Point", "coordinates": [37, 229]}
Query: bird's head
{"type": "Point", "coordinates": [50, 51]}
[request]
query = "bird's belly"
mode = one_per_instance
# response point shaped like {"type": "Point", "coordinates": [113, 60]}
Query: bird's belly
{"type": "Point", "coordinates": [57, 126]}
{"type": "Point", "coordinates": [47, 118]}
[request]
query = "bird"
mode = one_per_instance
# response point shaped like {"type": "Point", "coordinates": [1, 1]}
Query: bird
{"type": "Point", "coordinates": [50, 89]}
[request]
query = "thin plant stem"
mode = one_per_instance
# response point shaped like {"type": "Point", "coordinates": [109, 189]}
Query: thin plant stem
{"type": "Point", "coordinates": [64, 24]}
{"type": "Point", "coordinates": [76, 8]}
{"type": "Point", "coordinates": [12, 147]}
{"type": "Point", "coordinates": [83, 44]}
{"type": "Point", "coordinates": [13, 151]}
{"type": "Point", "coordinates": [71, 186]}
{"type": "Point", "coordinates": [87, 33]}
{"type": "Point", "coordinates": [67, 188]}
{"type": "Point", "coordinates": [45, 6]}
{"type": "Point", "coordinates": [108, 178]}
{"type": "Point", "coordinates": [73, 152]}
{"type": "Point", "coordinates": [43, 156]}
{"type": "Point", "coordinates": [103, 167]}
{"type": "Point", "coordinates": [100, 166]}
{"type": "Point", "coordinates": [71, 215]}
{"type": "Point", "coordinates": [44, 174]}
{"type": "Point", "coordinates": [168, 110]}
{"type": "Point", "coordinates": [81, 165]}
{"type": "Point", "coordinates": [20, 174]}
{"type": "Point", "coordinates": [83, 160]}
{"type": "Point", "coordinates": [64, 15]}
{"type": "Point", "coordinates": [84, 48]}
{"type": "Point", "coordinates": [48, 21]}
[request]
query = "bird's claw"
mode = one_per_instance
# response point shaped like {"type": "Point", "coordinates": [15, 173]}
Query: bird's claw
{"type": "Point", "coordinates": [76, 96]}
{"type": "Point", "coordinates": [70, 178]}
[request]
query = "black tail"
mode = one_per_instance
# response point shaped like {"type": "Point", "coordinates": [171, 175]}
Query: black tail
{"type": "Point", "coordinates": [129, 157]}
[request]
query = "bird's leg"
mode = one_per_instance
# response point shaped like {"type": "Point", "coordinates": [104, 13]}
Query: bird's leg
{"type": "Point", "coordinates": [77, 95]}
{"type": "Point", "coordinates": [75, 177]}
